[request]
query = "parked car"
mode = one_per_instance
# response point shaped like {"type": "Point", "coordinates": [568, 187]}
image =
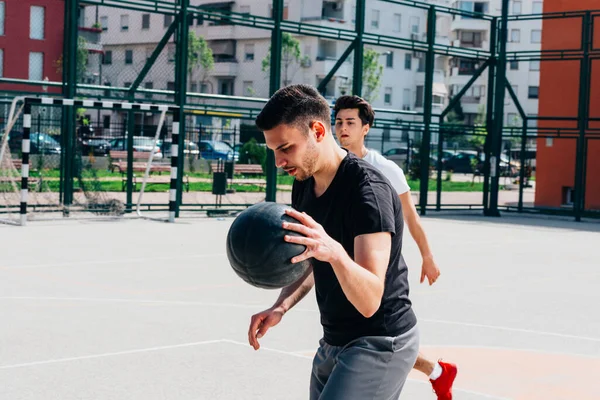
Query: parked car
{"type": "Point", "coordinates": [97, 147]}
{"type": "Point", "coordinates": [40, 143]}
{"type": "Point", "coordinates": [140, 143]}
{"type": "Point", "coordinates": [189, 148]}
{"type": "Point", "coordinates": [462, 163]}
{"type": "Point", "coordinates": [217, 150]}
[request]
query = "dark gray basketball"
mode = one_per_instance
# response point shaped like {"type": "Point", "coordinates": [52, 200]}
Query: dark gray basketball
{"type": "Point", "coordinates": [257, 251]}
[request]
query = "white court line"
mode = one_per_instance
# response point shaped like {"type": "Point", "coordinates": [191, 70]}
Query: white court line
{"type": "Point", "coordinates": [255, 306]}
{"type": "Point", "coordinates": [118, 353]}
{"type": "Point", "coordinates": [295, 354]}
{"type": "Point", "coordinates": [114, 261]}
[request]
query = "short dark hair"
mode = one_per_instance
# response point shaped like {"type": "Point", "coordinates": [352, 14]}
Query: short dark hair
{"type": "Point", "coordinates": [365, 111]}
{"type": "Point", "coordinates": [294, 105]}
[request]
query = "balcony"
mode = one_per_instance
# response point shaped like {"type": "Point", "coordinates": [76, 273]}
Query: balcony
{"type": "Point", "coordinates": [460, 23]}
{"type": "Point", "coordinates": [321, 67]}
{"type": "Point", "coordinates": [225, 68]}
{"type": "Point", "coordinates": [92, 38]}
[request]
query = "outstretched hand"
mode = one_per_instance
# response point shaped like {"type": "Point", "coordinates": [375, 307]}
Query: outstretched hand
{"type": "Point", "coordinates": [260, 324]}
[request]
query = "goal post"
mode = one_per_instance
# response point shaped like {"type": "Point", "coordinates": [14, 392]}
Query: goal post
{"type": "Point", "coordinates": [95, 205]}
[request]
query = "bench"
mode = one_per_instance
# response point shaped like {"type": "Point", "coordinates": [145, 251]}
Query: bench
{"type": "Point", "coordinates": [241, 169]}
{"type": "Point", "coordinates": [119, 161]}
{"type": "Point", "coordinates": [165, 179]}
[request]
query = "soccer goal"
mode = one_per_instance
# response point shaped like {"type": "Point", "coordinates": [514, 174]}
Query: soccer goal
{"type": "Point", "coordinates": [33, 162]}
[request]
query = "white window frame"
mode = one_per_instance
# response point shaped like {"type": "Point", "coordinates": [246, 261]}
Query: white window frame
{"type": "Point", "coordinates": [375, 16]}
{"type": "Point", "coordinates": [37, 26]}
{"type": "Point", "coordinates": [124, 22]}
{"type": "Point", "coordinates": [2, 16]}
{"type": "Point", "coordinates": [34, 61]}
{"type": "Point", "coordinates": [397, 19]}
{"type": "Point", "coordinates": [536, 32]}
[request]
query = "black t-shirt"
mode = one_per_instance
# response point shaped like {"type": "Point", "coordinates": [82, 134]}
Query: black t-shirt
{"type": "Point", "coordinates": [359, 200]}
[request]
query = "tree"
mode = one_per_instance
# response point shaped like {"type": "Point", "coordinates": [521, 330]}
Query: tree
{"type": "Point", "coordinates": [291, 56]}
{"type": "Point", "coordinates": [199, 55]}
{"type": "Point", "coordinates": [82, 60]}
{"type": "Point", "coordinates": [372, 73]}
{"type": "Point", "coordinates": [480, 130]}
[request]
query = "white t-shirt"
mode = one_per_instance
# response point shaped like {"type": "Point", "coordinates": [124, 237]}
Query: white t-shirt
{"type": "Point", "coordinates": [390, 169]}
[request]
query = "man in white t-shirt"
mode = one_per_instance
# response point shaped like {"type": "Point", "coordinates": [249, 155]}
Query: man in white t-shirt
{"type": "Point", "coordinates": [353, 118]}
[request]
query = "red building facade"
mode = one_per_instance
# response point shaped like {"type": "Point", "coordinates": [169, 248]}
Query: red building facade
{"type": "Point", "coordinates": [31, 41]}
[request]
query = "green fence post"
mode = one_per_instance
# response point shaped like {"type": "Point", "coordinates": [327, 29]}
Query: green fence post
{"type": "Point", "coordinates": [496, 134]}
{"type": "Point", "coordinates": [69, 91]}
{"type": "Point", "coordinates": [489, 123]}
{"type": "Point", "coordinates": [275, 81]}
{"type": "Point", "coordinates": [583, 115]}
{"type": "Point", "coordinates": [425, 151]}
{"type": "Point", "coordinates": [357, 78]}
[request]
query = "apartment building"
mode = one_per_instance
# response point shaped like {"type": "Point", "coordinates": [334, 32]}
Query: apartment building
{"type": "Point", "coordinates": [130, 37]}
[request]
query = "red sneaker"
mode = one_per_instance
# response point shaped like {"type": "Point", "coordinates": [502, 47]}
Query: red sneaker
{"type": "Point", "coordinates": [442, 386]}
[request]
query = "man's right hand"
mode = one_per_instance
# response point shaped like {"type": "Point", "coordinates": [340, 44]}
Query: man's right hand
{"type": "Point", "coordinates": [260, 324]}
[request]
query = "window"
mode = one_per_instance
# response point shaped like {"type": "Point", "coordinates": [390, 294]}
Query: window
{"type": "Point", "coordinates": [397, 22]}
{"type": "Point", "coordinates": [171, 86]}
{"type": "Point", "coordinates": [226, 87]}
{"type": "Point", "coordinates": [36, 66]}
{"type": "Point", "coordinates": [36, 23]}
{"type": "Point", "coordinates": [248, 88]}
{"type": "Point", "coordinates": [245, 9]}
{"type": "Point", "coordinates": [107, 57]}
{"type": "Point", "coordinates": [145, 21]}
{"type": "Point", "coordinates": [515, 35]}
{"type": "Point", "coordinates": [533, 92]}
{"type": "Point", "coordinates": [408, 61]}
{"type": "Point", "coordinates": [514, 65]}
{"type": "Point", "coordinates": [387, 97]}
{"type": "Point", "coordinates": [104, 23]}
{"type": "Point", "coordinates": [419, 102]}
{"type": "Point", "coordinates": [168, 21]}
{"type": "Point", "coordinates": [126, 84]}
{"type": "Point", "coordinates": [512, 119]}
{"type": "Point", "coordinates": [106, 122]}
{"type": "Point", "coordinates": [285, 11]}
{"type": "Point", "coordinates": [1, 18]}
{"type": "Point", "coordinates": [375, 19]}
{"type": "Point", "coordinates": [171, 50]}
{"type": "Point", "coordinates": [249, 52]}
{"type": "Point", "coordinates": [389, 59]}
{"type": "Point", "coordinates": [406, 99]}
{"type": "Point", "coordinates": [128, 56]}
{"type": "Point", "coordinates": [414, 25]}
{"type": "Point", "coordinates": [471, 39]}
{"type": "Point", "coordinates": [538, 7]}
{"type": "Point", "coordinates": [536, 36]}
{"type": "Point", "coordinates": [534, 65]}
{"type": "Point", "coordinates": [1, 63]}
{"type": "Point", "coordinates": [125, 22]}
{"type": "Point", "coordinates": [516, 8]}
{"type": "Point", "coordinates": [149, 86]}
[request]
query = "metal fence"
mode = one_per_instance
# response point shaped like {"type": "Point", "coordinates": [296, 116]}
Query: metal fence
{"type": "Point", "coordinates": [184, 53]}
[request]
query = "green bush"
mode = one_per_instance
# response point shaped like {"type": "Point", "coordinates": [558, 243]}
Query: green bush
{"type": "Point", "coordinates": [253, 153]}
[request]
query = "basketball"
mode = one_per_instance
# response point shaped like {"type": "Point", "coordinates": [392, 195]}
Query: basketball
{"type": "Point", "coordinates": [257, 250]}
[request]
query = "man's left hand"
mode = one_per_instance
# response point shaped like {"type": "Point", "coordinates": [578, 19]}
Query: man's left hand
{"type": "Point", "coordinates": [430, 270]}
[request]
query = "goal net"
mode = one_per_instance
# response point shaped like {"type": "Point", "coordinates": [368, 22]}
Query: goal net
{"type": "Point", "coordinates": [47, 173]}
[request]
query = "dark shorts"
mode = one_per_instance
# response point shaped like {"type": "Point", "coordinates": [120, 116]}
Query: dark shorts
{"type": "Point", "coordinates": [371, 367]}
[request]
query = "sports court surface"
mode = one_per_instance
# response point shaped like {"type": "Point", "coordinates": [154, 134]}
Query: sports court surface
{"type": "Point", "coordinates": [138, 309]}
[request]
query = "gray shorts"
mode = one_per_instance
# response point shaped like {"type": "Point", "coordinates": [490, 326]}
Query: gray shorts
{"type": "Point", "coordinates": [371, 367]}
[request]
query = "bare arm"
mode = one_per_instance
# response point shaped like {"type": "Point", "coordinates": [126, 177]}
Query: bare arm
{"type": "Point", "coordinates": [363, 280]}
{"type": "Point", "coordinates": [291, 295]}
{"type": "Point", "coordinates": [429, 268]}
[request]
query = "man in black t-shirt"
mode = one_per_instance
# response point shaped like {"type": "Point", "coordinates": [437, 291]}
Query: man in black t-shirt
{"type": "Point", "coordinates": [350, 218]}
